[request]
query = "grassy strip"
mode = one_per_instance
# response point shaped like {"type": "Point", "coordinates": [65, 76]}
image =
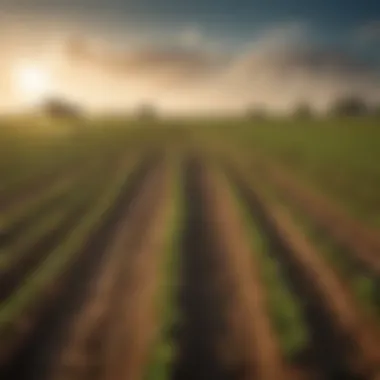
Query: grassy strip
{"type": "Point", "coordinates": [284, 307]}
{"type": "Point", "coordinates": [84, 194]}
{"type": "Point", "coordinates": [24, 179]}
{"type": "Point", "coordinates": [29, 172]}
{"type": "Point", "coordinates": [339, 157]}
{"type": "Point", "coordinates": [59, 260]}
{"type": "Point", "coordinates": [30, 160]}
{"type": "Point", "coordinates": [24, 209]}
{"type": "Point", "coordinates": [29, 148]}
{"type": "Point", "coordinates": [19, 218]}
{"type": "Point", "coordinates": [363, 286]}
{"type": "Point", "coordinates": [10, 254]}
{"type": "Point", "coordinates": [164, 351]}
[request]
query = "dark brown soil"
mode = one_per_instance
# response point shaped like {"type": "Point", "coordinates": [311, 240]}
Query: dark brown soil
{"type": "Point", "coordinates": [251, 335]}
{"type": "Point", "coordinates": [224, 332]}
{"type": "Point", "coordinates": [359, 240]}
{"type": "Point", "coordinates": [133, 321]}
{"type": "Point", "coordinates": [33, 190]}
{"type": "Point", "coordinates": [11, 233]}
{"type": "Point", "coordinates": [201, 302]}
{"type": "Point", "coordinates": [31, 354]}
{"type": "Point", "coordinates": [98, 321]}
{"type": "Point", "coordinates": [344, 345]}
{"type": "Point", "coordinates": [35, 186]}
{"type": "Point", "coordinates": [30, 259]}
{"type": "Point", "coordinates": [112, 333]}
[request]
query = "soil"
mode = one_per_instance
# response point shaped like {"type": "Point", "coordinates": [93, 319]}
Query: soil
{"type": "Point", "coordinates": [31, 355]}
{"type": "Point", "coordinates": [362, 242]}
{"type": "Point", "coordinates": [345, 344]}
{"type": "Point", "coordinates": [111, 334]}
{"type": "Point", "coordinates": [29, 260]}
{"type": "Point", "coordinates": [225, 332]}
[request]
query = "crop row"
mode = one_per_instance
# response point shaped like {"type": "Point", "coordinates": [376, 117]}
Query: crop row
{"type": "Point", "coordinates": [207, 272]}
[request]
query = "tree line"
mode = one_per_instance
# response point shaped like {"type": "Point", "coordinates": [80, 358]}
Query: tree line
{"type": "Point", "coordinates": [349, 106]}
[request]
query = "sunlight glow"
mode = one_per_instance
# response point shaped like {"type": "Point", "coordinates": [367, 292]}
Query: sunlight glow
{"type": "Point", "coordinates": [32, 82]}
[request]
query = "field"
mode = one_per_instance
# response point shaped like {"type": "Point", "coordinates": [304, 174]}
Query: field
{"type": "Point", "coordinates": [190, 249]}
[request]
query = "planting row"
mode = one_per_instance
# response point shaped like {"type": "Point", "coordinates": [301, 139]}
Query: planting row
{"type": "Point", "coordinates": [198, 270]}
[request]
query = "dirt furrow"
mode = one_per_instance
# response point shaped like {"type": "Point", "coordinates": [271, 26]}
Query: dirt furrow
{"type": "Point", "coordinates": [363, 243]}
{"type": "Point", "coordinates": [27, 190]}
{"type": "Point", "coordinates": [225, 331]}
{"type": "Point", "coordinates": [60, 190]}
{"type": "Point", "coordinates": [255, 340]}
{"type": "Point", "coordinates": [15, 273]}
{"type": "Point", "coordinates": [32, 354]}
{"type": "Point", "coordinates": [133, 319]}
{"type": "Point", "coordinates": [28, 261]}
{"type": "Point", "coordinates": [109, 337]}
{"type": "Point", "coordinates": [346, 342]}
{"type": "Point", "coordinates": [200, 300]}
{"type": "Point", "coordinates": [36, 186]}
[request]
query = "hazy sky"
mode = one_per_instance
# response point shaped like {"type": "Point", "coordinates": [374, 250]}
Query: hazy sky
{"type": "Point", "coordinates": [238, 20]}
{"type": "Point", "coordinates": [192, 54]}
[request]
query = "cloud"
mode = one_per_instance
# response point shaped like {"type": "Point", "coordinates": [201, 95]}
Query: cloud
{"type": "Point", "coordinates": [190, 36]}
{"type": "Point", "coordinates": [157, 66]}
{"type": "Point", "coordinates": [278, 70]}
{"type": "Point", "coordinates": [278, 37]}
{"type": "Point", "coordinates": [281, 67]}
{"type": "Point", "coordinates": [368, 33]}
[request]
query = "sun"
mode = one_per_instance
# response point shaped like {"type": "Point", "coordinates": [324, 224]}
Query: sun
{"type": "Point", "coordinates": [32, 82]}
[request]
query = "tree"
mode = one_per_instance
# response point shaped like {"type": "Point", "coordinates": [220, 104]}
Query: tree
{"type": "Point", "coordinates": [146, 111]}
{"type": "Point", "coordinates": [350, 106]}
{"type": "Point", "coordinates": [256, 113]}
{"type": "Point", "coordinates": [376, 110]}
{"type": "Point", "coordinates": [60, 108]}
{"type": "Point", "coordinates": [303, 111]}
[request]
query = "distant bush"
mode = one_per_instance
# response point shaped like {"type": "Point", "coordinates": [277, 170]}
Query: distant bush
{"type": "Point", "coordinates": [303, 111]}
{"type": "Point", "coordinates": [146, 111]}
{"type": "Point", "coordinates": [350, 106]}
{"type": "Point", "coordinates": [60, 108]}
{"type": "Point", "coordinates": [256, 113]}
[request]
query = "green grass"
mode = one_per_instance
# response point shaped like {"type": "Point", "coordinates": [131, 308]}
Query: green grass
{"type": "Point", "coordinates": [11, 254]}
{"type": "Point", "coordinates": [163, 352]}
{"type": "Point", "coordinates": [338, 157]}
{"type": "Point", "coordinates": [22, 210]}
{"type": "Point", "coordinates": [70, 186]}
{"type": "Point", "coordinates": [362, 285]}
{"type": "Point", "coordinates": [31, 148]}
{"type": "Point", "coordinates": [61, 257]}
{"type": "Point", "coordinates": [81, 194]}
{"type": "Point", "coordinates": [284, 308]}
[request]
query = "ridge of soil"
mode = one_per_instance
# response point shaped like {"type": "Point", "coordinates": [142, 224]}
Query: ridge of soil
{"type": "Point", "coordinates": [31, 355]}
{"type": "Point", "coordinates": [344, 346]}
{"type": "Point", "coordinates": [110, 336]}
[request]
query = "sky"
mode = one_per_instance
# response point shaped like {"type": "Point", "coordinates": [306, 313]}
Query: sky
{"type": "Point", "coordinates": [189, 55]}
